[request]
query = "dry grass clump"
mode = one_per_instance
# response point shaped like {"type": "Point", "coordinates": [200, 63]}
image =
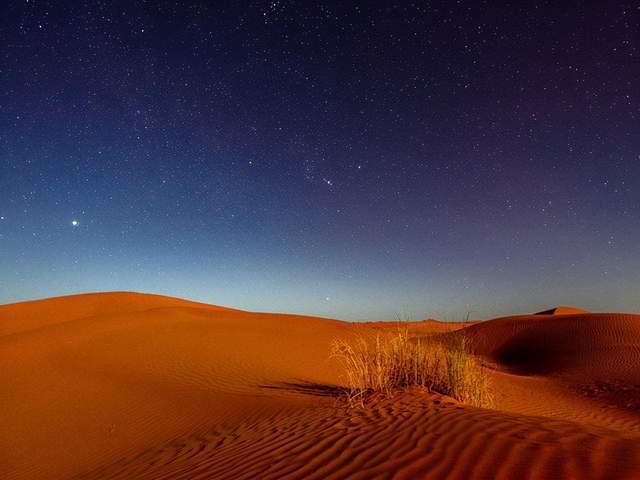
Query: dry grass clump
{"type": "Point", "coordinates": [385, 362]}
{"type": "Point", "coordinates": [466, 380]}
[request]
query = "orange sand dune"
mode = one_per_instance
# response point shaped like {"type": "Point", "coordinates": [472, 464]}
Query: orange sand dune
{"type": "Point", "coordinates": [583, 367]}
{"type": "Point", "coordinates": [20, 317]}
{"type": "Point", "coordinates": [589, 345]}
{"type": "Point", "coordinates": [127, 386]}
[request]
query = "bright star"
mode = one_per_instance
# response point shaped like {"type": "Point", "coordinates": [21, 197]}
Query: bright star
{"type": "Point", "coordinates": [75, 223]}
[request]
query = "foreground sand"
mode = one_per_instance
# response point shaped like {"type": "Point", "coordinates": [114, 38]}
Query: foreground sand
{"type": "Point", "coordinates": [128, 386]}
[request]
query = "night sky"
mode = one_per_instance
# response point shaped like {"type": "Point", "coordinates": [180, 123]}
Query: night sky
{"type": "Point", "coordinates": [353, 160]}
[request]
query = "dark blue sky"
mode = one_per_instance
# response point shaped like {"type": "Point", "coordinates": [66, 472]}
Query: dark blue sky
{"type": "Point", "coordinates": [355, 160]}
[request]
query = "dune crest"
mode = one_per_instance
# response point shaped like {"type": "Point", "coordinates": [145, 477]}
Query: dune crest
{"type": "Point", "coordinates": [562, 310]}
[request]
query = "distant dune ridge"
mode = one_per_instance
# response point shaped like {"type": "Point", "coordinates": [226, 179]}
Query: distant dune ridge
{"type": "Point", "coordinates": [562, 311]}
{"type": "Point", "coordinates": [135, 386]}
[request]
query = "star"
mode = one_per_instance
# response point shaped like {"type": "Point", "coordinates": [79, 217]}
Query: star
{"type": "Point", "coordinates": [75, 223]}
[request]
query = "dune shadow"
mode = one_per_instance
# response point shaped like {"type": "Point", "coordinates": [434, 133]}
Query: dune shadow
{"type": "Point", "coordinates": [306, 388]}
{"type": "Point", "coordinates": [524, 359]}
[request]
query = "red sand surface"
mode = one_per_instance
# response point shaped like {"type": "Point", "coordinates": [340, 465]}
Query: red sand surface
{"type": "Point", "coordinates": [128, 386]}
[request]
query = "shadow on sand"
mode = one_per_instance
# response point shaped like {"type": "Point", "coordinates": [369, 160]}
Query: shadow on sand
{"type": "Point", "coordinates": [307, 388]}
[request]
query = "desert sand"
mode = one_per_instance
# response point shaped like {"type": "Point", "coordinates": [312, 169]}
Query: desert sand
{"type": "Point", "coordinates": [136, 386]}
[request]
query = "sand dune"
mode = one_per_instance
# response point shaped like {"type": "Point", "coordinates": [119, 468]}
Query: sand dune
{"type": "Point", "coordinates": [20, 317]}
{"type": "Point", "coordinates": [601, 346]}
{"type": "Point", "coordinates": [126, 386]}
{"type": "Point", "coordinates": [581, 367]}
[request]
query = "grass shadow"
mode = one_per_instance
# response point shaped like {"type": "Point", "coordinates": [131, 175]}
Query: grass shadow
{"type": "Point", "coordinates": [307, 388]}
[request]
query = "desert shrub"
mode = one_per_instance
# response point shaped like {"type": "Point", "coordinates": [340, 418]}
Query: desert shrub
{"type": "Point", "coordinates": [384, 362]}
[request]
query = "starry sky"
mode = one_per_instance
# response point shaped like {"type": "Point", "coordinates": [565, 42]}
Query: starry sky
{"type": "Point", "coordinates": [357, 160]}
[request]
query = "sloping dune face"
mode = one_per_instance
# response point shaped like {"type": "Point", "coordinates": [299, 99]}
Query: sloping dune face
{"type": "Point", "coordinates": [129, 386]}
{"type": "Point", "coordinates": [583, 366]}
{"type": "Point", "coordinates": [597, 345]}
{"type": "Point", "coordinates": [21, 317]}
